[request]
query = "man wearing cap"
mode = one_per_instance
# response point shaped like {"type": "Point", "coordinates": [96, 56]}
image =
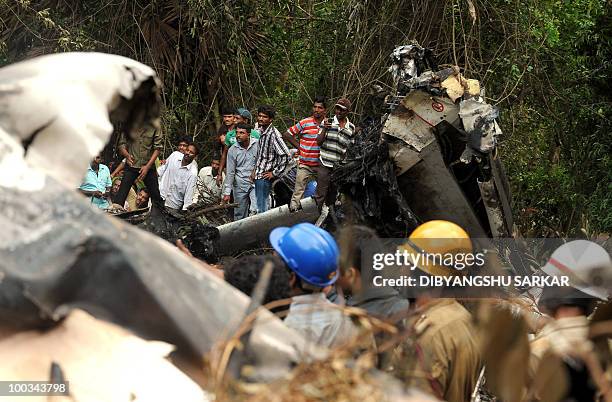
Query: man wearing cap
{"type": "Point", "coordinates": [442, 357]}
{"type": "Point", "coordinates": [311, 255]}
{"type": "Point", "coordinates": [334, 138]}
{"type": "Point", "coordinates": [586, 264]}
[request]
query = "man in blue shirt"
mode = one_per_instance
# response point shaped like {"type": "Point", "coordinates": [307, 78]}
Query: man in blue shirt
{"type": "Point", "coordinates": [97, 183]}
{"type": "Point", "coordinates": [241, 159]}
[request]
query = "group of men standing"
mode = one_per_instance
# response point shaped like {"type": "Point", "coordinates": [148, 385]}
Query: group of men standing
{"type": "Point", "coordinates": [172, 184]}
{"type": "Point", "coordinates": [252, 159]}
{"type": "Point", "coordinates": [259, 155]}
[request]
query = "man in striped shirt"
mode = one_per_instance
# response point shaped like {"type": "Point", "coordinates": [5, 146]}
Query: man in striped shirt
{"type": "Point", "coordinates": [334, 138]}
{"type": "Point", "coordinates": [306, 130]}
{"type": "Point", "coordinates": [272, 157]}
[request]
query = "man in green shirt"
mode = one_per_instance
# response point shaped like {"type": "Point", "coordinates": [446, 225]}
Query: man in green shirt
{"type": "Point", "coordinates": [140, 155]}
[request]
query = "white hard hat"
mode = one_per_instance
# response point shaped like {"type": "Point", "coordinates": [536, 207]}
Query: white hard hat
{"type": "Point", "coordinates": [587, 264]}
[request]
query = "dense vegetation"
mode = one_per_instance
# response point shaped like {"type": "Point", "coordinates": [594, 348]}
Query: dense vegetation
{"type": "Point", "coordinates": [545, 63]}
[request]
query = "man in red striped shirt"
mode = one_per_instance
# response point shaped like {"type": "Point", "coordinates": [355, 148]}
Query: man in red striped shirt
{"type": "Point", "coordinates": [306, 130]}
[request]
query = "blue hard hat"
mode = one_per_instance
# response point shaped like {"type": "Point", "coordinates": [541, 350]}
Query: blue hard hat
{"type": "Point", "coordinates": [309, 251]}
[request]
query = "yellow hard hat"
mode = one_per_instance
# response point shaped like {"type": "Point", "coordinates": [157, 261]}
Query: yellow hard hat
{"type": "Point", "coordinates": [436, 239]}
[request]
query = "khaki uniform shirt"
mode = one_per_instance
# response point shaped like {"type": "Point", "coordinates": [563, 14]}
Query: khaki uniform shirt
{"type": "Point", "coordinates": [443, 360]}
{"type": "Point", "coordinates": [142, 147]}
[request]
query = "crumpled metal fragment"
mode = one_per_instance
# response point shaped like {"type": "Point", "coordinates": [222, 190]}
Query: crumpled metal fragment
{"type": "Point", "coordinates": [65, 101]}
{"type": "Point", "coordinates": [403, 65]}
{"type": "Point", "coordinates": [479, 121]}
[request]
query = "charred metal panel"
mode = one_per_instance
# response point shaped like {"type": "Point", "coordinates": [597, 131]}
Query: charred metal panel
{"type": "Point", "coordinates": [433, 193]}
{"type": "Point", "coordinates": [491, 205]}
{"type": "Point", "coordinates": [406, 126]}
{"type": "Point", "coordinates": [415, 116]}
{"type": "Point", "coordinates": [503, 192]}
{"type": "Point", "coordinates": [403, 156]}
{"type": "Point", "coordinates": [431, 109]}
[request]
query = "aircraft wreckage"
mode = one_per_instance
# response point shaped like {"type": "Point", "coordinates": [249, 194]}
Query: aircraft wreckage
{"type": "Point", "coordinates": [432, 155]}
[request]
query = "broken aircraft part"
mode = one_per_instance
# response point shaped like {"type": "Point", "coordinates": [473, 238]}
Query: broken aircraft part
{"type": "Point", "coordinates": [254, 230]}
{"type": "Point", "coordinates": [58, 253]}
{"type": "Point", "coordinates": [441, 139]}
{"type": "Point", "coordinates": [88, 260]}
{"type": "Point", "coordinates": [200, 239]}
{"type": "Point", "coordinates": [91, 354]}
{"type": "Point", "coordinates": [66, 101]}
{"type": "Point", "coordinates": [368, 181]}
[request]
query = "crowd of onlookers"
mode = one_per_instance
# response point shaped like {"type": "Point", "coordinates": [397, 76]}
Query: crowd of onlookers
{"type": "Point", "coordinates": [253, 166]}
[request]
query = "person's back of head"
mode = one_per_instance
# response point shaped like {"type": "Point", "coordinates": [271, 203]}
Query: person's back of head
{"type": "Point", "coordinates": [228, 110]}
{"type": "Point", "coordinates": [244, 272]}
{"type": "Point", "coordinates": [357, 245]}
{"type": "Point", "coordinates": [585, 265]}
{"type": "Point", "coordinates": [244, 126]}
{"type": "Point", "coordinates": [353, 240]}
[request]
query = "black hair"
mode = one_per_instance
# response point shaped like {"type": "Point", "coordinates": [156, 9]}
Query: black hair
{"type": "Point", "coordinates": [244, 126]}
{"type": "Point", "coordinates": [320, 99]}
{"type": "Point", "coordinates": [228, 110]}
{"type": "Point", "coordinates": [268, 110]}
{"type": "Point", "coordinates": [193, 144]}
{"type": "Point", "coordinates": [146, 190]}
{"type": "Point", "coordinates": [353, 240]}
{"type": "Point", "coordinates": [243, 273]}
{"type": "Point", "coordinates": [184, 138]}
{"type": "Point", "coordinates": [553, 298]}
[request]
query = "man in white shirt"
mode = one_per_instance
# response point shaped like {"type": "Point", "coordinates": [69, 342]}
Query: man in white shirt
{"type": "Point", "coordinates": [207, 182]}
{"type": "Point", "coordinates": [180, 151]}
{"type": "Point", "coordinates": [179, 175]}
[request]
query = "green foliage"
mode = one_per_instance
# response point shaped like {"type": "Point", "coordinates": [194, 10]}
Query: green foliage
{"type": "Point", "coordinates": [545, 63]}
{"type": "Point", "coordinates": [558, 156]}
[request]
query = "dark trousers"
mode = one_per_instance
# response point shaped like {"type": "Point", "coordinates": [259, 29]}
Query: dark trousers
{"type": "Point", "coordinates": [326, 190]}
{"type": "Point", "coordinates": [130, 174]}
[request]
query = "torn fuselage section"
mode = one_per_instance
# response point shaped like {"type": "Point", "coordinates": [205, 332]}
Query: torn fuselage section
{"type": "Point", "coordinates": [431, 156]}
{"type": "Point", "coordinates": [442, 139]}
